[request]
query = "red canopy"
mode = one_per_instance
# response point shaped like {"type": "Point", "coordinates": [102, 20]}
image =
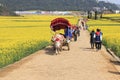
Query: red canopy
{"type": "Point", "coordinates": [59, 23]}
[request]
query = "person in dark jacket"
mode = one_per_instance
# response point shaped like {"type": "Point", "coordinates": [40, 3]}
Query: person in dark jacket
{"type": "Point", "coordinates": [78, 31]}
{"type": "Point", "coordinates": [75, 34]}
{"type": "Point", "coordinates": [92, 39]}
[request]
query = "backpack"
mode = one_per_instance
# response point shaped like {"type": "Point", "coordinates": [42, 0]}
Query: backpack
{"type": "Point", "coordinates": [98, 38]}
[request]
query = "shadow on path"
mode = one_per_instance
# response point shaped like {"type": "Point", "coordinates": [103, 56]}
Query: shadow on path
{"type": "Point", "coordinates": [113, 72]}
{"type": "Point", "coordinates": [49, 51]}
{"type": "Point", "coordinates": [89, 49]}
{"type": "Point", "coordinates": [115, 62]}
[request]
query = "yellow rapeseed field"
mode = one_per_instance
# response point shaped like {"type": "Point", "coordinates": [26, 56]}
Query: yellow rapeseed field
{"type": "Point", "coordinates": [23, 35]}
{"type": "Point", "coordinates": [110, 26]}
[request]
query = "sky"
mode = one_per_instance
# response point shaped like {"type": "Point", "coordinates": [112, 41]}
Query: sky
{"type": "Point", "coordinates": [112, 1]}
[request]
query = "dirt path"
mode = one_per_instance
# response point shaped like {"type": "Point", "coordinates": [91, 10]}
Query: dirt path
{"type": "Point", "coordinates": [80, 63]}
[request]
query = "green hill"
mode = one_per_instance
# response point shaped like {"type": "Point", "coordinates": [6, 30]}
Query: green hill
{"type": "Point", "coordinates": [54, 4]}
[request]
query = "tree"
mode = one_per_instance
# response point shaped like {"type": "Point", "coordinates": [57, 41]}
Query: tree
{"type": "Point", "coordinates": [96, 15]}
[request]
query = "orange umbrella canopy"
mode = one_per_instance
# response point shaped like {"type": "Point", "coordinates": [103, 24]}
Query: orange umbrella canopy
{"type": "Point", "coordinates": [59, 23]}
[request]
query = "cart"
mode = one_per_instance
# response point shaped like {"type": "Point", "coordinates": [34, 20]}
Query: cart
{"type": "Point", "coordinates": [58, 24]}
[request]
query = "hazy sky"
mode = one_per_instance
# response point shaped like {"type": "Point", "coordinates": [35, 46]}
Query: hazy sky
{"type": "Point", "coordinates": [113, 1]}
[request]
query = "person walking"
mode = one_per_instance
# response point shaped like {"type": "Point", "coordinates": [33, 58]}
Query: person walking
{"type": "Point", "coordinates": [98, 39]}
{"type": "Point", "coordinates": [92, 39]}
{"type": "Point", "coordinates": [75, 34]}
{"type": "Point", "coordinates": [78, 31]}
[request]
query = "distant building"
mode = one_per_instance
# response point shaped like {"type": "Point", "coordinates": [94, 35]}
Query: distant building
{"type": "Point", "coordinates": [43, 12]}
{"type": "Point", "coordinates": [108, 12]}
{"type": "Point", "coordinates": [117, 11]}
{"type": "Point", "coordinates": [25, 12]}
